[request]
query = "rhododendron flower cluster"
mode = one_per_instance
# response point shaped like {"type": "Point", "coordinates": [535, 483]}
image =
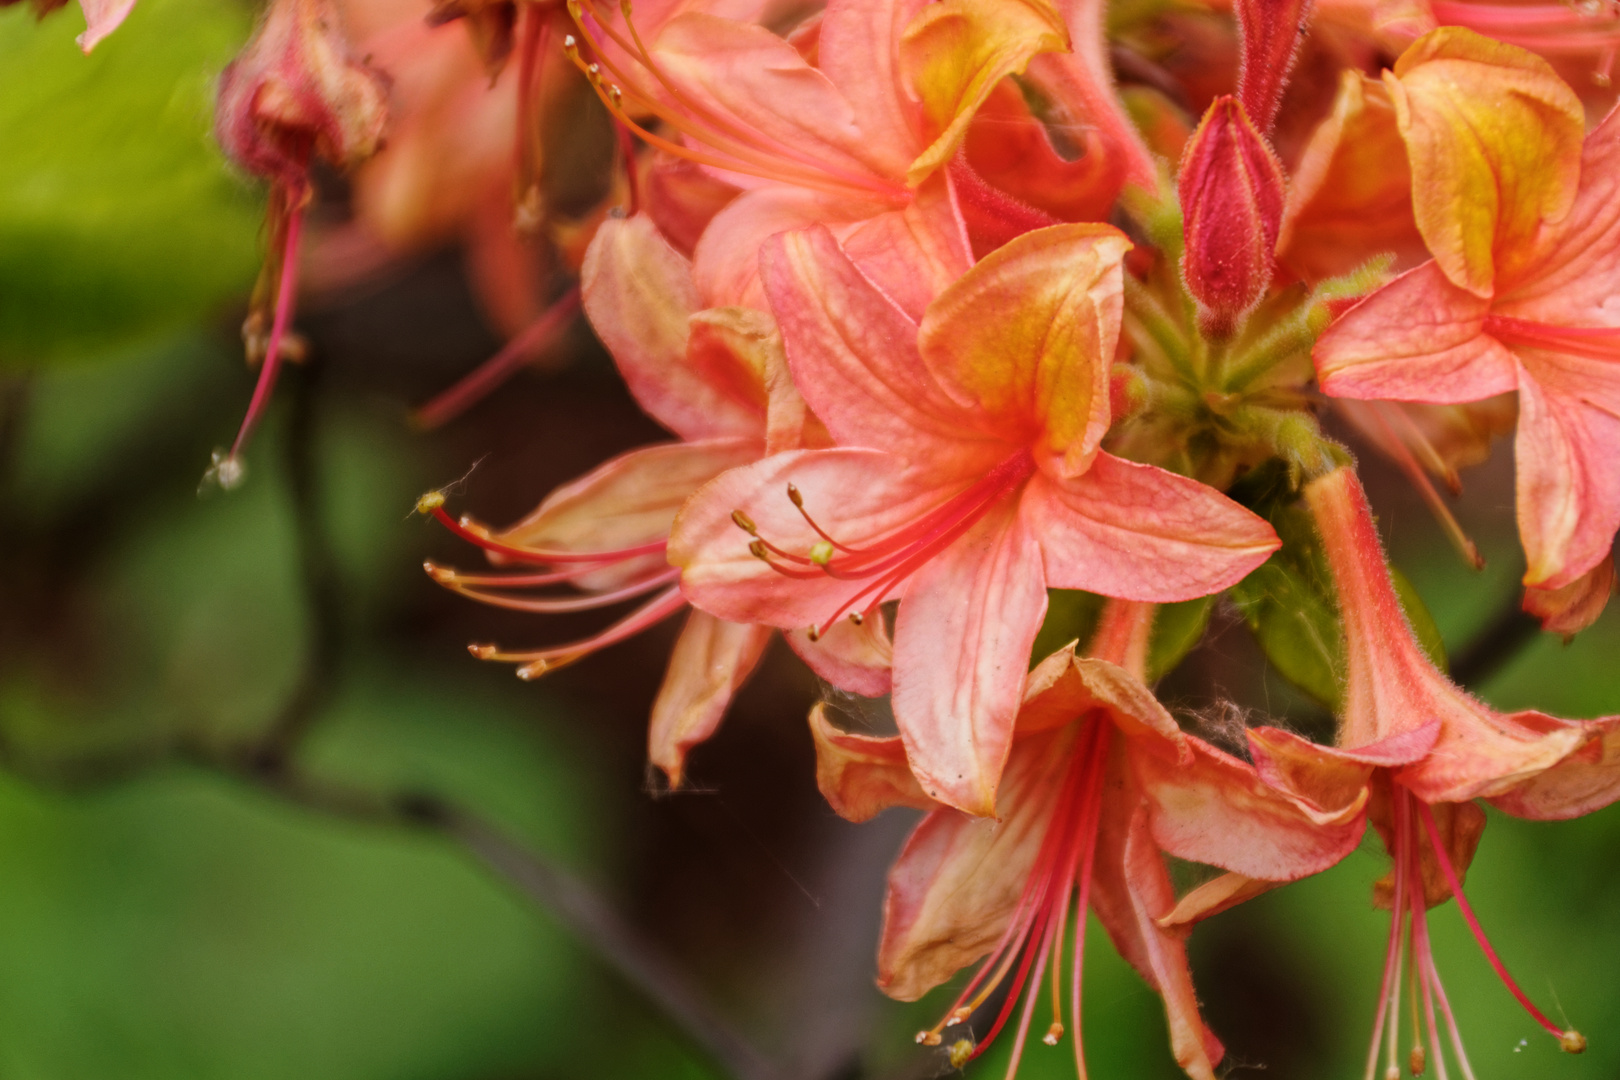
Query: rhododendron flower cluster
{"type": "Point", "coordinates": [941, 319]}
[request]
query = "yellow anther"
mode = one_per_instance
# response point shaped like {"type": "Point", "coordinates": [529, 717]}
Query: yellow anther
{"type": "Point", "coordinates": [483, 652]}
{"type": "Point", "coordinates": [793, 493]}
{"type": "Point", "coordinates": [1053, 1034]}
{"type": "Point", "coordinates": [744, 522]}
{"type": "Point", "coordinates": [441, 574]}
{"type": "Point", "coordinates": [821, 553]}
{"type": "Point", "coordinates": [961, 1052]}
{"type": "Point", "coordinates": [430, 502]}
{"type": "Point", "coordinates": [1416, 1061]}
{"type": "Point", "coordinates": [759, 551]}
{"type": "Point", "coordinates": [1572, 1042]}
{"type": "Point", "coordinates": [1393, 1072]}
{"type": "Point", "coordinates": [813, 633]}
{"type": "Point", "coordinates": [928, 1038]}
{"type": "Point", "coordinates": [857, 618]}
{"type": "Point", "coordinates": [959, 1016]}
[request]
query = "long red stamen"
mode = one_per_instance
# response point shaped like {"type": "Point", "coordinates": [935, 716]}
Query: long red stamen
{"type": "Point", "coordinates": [532, 340]}
{"type": "Point", "coordinates": [1035, 933]}
{"type": "Point", "coordinates": [537, 662]}
{"type": "Point", "coordinates": [286, 290]}
{"type": "Point", "coordinates": [1500, 17]}
{"type": "Point", "coordinates": [475, 534]}
{"type": "Point", "coordinates": [886, 561]}
{"type": "Point", "coordinates": [447, 574]}
{"type": "Point", "coordinates": [1444, 859]}
{"type": "Point", "coordinates": [563, 605]}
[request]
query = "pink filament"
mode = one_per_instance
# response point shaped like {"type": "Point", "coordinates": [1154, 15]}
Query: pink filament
{"type": "Point", "coordinates": [529, 342]}
{"type": "Point", "coordinates": [286, 289]}
{"type": "Point", "coordinates": [1467, 910]}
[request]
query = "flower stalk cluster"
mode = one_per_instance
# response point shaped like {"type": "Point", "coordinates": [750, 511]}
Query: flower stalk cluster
{"type": "Point", "coordinates": [940, 318]}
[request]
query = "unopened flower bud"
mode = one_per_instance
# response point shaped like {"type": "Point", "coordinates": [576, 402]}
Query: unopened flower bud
{"type": "Point", "coordinates": [1231, 189]}
{"type": "Point", "coordinates": [296, 92]}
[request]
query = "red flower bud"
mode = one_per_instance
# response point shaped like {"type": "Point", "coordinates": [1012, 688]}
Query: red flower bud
{"type": "Point", "coordinates": [1272, 32]}
{"type": "Point", "coordinates": [1231, 188]}
{"type": "Point", "coordinates": [296, 92]}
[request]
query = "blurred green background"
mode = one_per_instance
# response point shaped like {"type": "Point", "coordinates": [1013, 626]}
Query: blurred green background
{"type": "Point", "coordinates": [161, 919]}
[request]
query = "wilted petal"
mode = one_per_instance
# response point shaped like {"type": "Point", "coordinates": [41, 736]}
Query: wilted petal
{"type": "Point", "coordinates": [1419, 338]}
{"type": "Point", "coordinates": [1141, 533]}
{"type": "Point", "coordinates": [712, 658]}
{"type": "Point", "coordinates": [958, 879]}
{"type": "Point", "coordinates": [862, 775]}
{"type": "Point", "coordinates": [1215, 896]}
{"type": "Point", "coordinates": [1494, 139]}
{"type": "Point", "coordinates": [1026, 340]}
{"type": "Point", "coordinates": [639, 296]}
{"type": "Point", "coordinates": [961, 651]}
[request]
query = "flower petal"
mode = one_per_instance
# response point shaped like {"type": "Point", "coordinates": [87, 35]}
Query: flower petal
{"type": "Point", "coordinates": [860, 53]}
{"type": "Point", "coordinates": [961, 651]}
{"type": "Point", "coordinates": [958, 878]}
{"type": "Point", "coordinates": [1141, 533]}
{"type": "Point", "coordinates": [1586, 780]}
{"type": "Point", "coordinates": [1494, 138]}
{"type": "Point", "coordinates": [102, 17]}
{"type": "Point", "coordinates": [725, 263]}
{"type": "Point", "coordinates": [1026, 339]}
{"type": "Point", "coordinates": [862, 775]}
{"type": "Point", "coordinates": [712, 658]}
{"type": "Point", "coordinates": [629, 501]}
{"type": "Point", "coordinates": [1568, 457]}
{"type": "Point", "coordinates": [1130, 892]}
{"type": "Point", "coordinates": [756, 82]}
{"type": "Point", "coordinates": [1216, 809]}
{"type": "Point", "coordinates": [1215, 896]}
{"type": "Point", "coordinates": [913, 254]}
{"type": "Point", "coordinates": [956, 51]}
{"type": "Point", "coordinates": [855, 659]}
{"type": "Point", "coordinates": [854, 494]}
{"type": "Point", "coordinates": [1350, 196]}
{"type": "Point", "coordinates": [1419, 338]}
{"type": "Point", "coordinates": [854, 356]}
{"type": "Point", "coordinates": [638, 294]}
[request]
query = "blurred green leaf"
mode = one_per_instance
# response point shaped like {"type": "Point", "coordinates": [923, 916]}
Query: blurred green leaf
{"type": "Point", "coordinates": [1177, 629]}
{"type": "Point", "coordinates": [118, 217]}
{"type": "Point", "coordinates": [1071, 615]}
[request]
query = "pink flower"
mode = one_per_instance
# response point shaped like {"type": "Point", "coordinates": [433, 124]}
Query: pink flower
{"type": "Point", "coordinates": [1099, 781]}
{"type": "Point", "coordinates": [1546, 326]}
{"type": "Point", "coordinates": [967, 478]}
{"type": "Point", "coordinates": [717, 379]}
{"type": "Point", "coordinates": [854, 141]}
{"type": "Point", "coordinates": [1423, 749]}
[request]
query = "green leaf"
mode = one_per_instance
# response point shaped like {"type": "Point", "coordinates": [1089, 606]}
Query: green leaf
{"type": "Point", "coordinates": [1071, 615]}
{"type": "Point", "coordinates": [1177, 630]}
{"type": "Point", "coordinates": [118, 217]}
{"type": "Point", "coordinates": [1291, 605]}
